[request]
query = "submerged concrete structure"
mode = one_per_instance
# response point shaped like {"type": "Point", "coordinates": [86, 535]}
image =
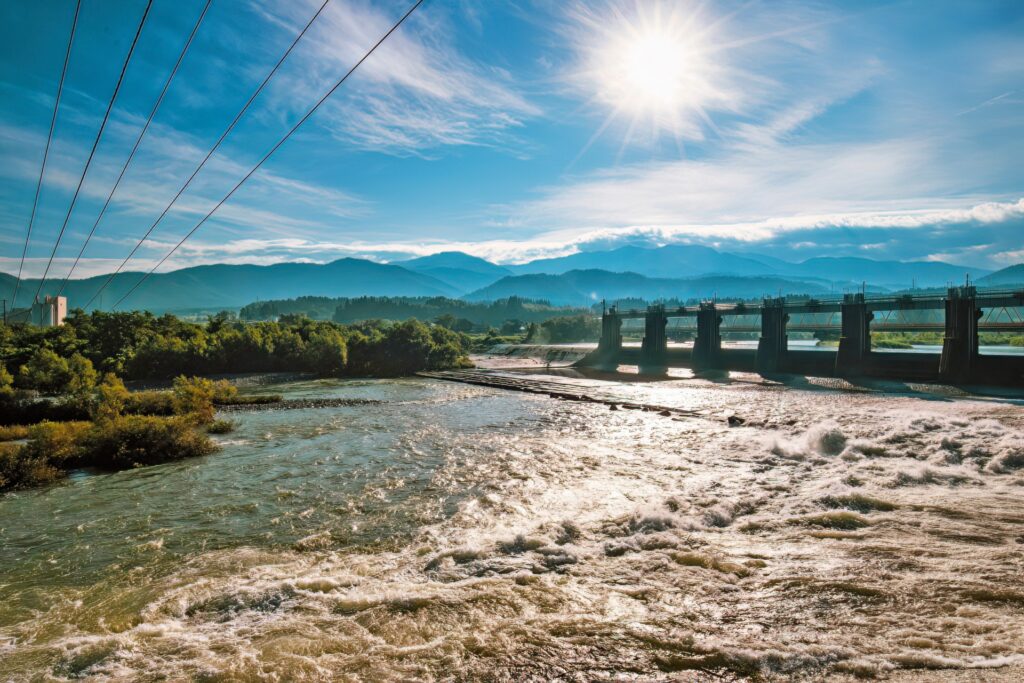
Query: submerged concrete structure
{"type": "Point", "coordinates": [959, 314]}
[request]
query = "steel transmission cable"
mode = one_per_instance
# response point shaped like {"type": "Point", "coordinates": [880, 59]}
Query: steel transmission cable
{"type": "Point", "coordinates": [95, 144]}
{"type": "Point", "coordinates": [46, 151]}
{"type": "Point", "coordinates": [138, 141]}
{"type": "Point", "coordinates": [273, 149]}
{"type": "Point", "coordinates": [209, 154]}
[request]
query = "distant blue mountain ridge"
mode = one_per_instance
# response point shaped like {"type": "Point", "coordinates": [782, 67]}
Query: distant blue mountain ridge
{"type": "Point", "coordinates": [673, 271]}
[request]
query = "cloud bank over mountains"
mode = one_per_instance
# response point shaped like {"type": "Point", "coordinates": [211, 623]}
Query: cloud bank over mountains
{"type": "Point", "coordinates": [516, 131]}
{"type": "Point", "coordinates": [986, 235]}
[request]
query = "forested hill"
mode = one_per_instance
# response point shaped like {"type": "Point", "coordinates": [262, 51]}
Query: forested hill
{"type": "Point", "coordinates": [582, 287]}
{"type": "Point", "coordinates": [229, 286]}
{"type": "Point", "coordinates": [1007, 277]}
{"type": "Point", "coordinates": [491, 314]}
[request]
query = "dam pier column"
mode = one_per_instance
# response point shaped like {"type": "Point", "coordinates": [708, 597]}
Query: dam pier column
{"type": "Point", "coordinates": [609, 347]}
{"type": "Point", "coordinates": [707, 346]}
{"type": "Point", "coordinates": [773, 343]}
{"type": "Point", "coordinates": [855, 338]}
{"type": "Point", "coordinates": [654, 349]}
{"type": "Point", "coordinates": [959, 358]}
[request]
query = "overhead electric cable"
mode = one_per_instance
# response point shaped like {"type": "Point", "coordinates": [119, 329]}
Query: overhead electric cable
{"type": "Point", "coordinates": [209, 154]}
{"type": "Point", "coordinates": [96, 142]}
{"type": "Point", "coordinates": [273, 149]}
{"type": "Point", "coordinates": [46, 151]}
{"type": "Point", "coordinates": [138, 141]}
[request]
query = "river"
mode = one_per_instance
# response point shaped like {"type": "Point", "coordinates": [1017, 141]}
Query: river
{"type": "Point", "coordinates": [456, 532]}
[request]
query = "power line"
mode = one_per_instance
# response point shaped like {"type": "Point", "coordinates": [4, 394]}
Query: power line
{"type": "Point", "coordinates": [95, 144]}
{"type": "Point", "coordinates": [46, 151]}
{"type": "Point", "coordinates": [209, 154]}
{"type": "Point", "coordinates": [273, 149]}
{"type": "Point", "coordinates": [138, 141]}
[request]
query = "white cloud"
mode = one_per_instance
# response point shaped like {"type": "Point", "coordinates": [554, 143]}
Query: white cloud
{"type": "Point", "coordinates": [269, 203]}
{"type": "Point", "coordinates": [740, 188]}
{"type": "Point", "coordinates": [417, 92]}
{"type": "Point", "coordinates": [1009, 257]}
{"type": "Point", "coordinates": [263, 251]}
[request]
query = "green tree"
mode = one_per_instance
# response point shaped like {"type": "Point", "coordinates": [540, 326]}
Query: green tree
{"type": "Point", "coordinates": [112, 398]}
{"type": "Point", "coordinates": [326, 353]}
{"type": "Point", "coordinates": [81, 377]}
{"type": "Point", "coordinates": [510, 327]}
{"type": "Point", "coordinates": [45, 371]}
{"type": "Point", "coordinates": [446, 320]}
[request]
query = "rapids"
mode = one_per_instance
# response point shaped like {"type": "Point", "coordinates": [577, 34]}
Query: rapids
{"type": "Point", "coordinates": [457, 532]}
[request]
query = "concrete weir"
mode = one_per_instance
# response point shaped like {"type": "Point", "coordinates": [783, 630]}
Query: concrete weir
{"type": "Point", "coordinates": [964, 312]}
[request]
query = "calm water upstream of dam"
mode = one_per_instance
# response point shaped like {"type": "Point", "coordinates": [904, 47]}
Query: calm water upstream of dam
{"type": "Point", "coordinates": [457, 532]}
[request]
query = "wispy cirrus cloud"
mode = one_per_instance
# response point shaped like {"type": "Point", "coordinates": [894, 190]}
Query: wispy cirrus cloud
{"type": "Point", "coordinates": [270, 203]}
{"type": "Point", "coordinates": [416, 94]}
{"type": "Point", "coordinates": [747, 185]}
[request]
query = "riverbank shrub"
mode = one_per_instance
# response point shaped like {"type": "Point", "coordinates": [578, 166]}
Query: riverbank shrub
{"type": "Point", "coordinates": [254, 400]}
{"type": "Point", "coordinates": [138, 440]}
{"type": "Point", "coordinates": [149, 402]}
{"type": "Point", "coordinates": [221, 427]}
{"type": "Point", "coordinates": [17, 470]}
{"type": "Point", "coordinates": [109, 443]}
{"type": "Point", "coordinates": [195, 396]}
{"type": "Point", "coordinates": [6, 381]}
{"type": "Point", "coordinates": [13, 432]}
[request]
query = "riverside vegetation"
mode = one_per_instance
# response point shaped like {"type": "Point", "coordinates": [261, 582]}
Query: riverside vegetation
{"type": "Point", "coordinates": [59, 414]}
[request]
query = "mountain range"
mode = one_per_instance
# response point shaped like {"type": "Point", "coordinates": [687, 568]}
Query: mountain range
{"type": "Point", "coordinates": [673, 271]}
{"type": "Point", "coordinates": [686, 261]}
{"type": "Point", "coordinates": [233, 286]}
{"type": "Point", "coordinates": [458, 270]}
{"type": "Point", "coordinates": [583, 287]}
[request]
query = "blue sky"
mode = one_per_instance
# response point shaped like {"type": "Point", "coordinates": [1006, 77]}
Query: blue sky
{"type": "Point", "coordinates": [515, 130]}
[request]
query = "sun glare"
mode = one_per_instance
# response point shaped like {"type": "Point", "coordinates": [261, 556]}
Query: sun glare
{"type": "Point", "coordinates": [653, 68]}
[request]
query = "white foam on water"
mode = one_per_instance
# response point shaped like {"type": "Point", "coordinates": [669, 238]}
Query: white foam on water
{"type": "Point", "coordinates": [873, 534]}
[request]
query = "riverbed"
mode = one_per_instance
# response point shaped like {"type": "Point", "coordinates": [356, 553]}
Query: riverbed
{"type": "Point", "coordinates": [432, 530]}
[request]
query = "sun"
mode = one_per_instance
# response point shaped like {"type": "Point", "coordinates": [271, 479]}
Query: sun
{"type": "Point", "coordinates": [652, 72]}
{"type": "Point", "coordinates": [653, 66]}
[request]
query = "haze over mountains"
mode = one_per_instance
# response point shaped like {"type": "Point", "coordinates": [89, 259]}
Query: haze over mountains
{"type": "Point", "coordinates": [674, 271]}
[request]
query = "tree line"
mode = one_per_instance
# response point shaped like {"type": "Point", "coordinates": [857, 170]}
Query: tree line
{"type": "Point", "coordinates": [139, 345]}
{"type": "Point", "coordinates": [464, 316]}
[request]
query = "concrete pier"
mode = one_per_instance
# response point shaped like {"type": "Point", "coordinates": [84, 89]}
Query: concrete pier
{"type": "Point", "coordinates": [959, 359]}
{"type": "Point", "coordinates": [609, 348]}
{"type": "Point", "coordinates": [855, 338]}
{"type": "Point", "coordinates": [707, 347]}
{"type": "Point", "coordinates": [654, 349]}
{"type": "Point", "coordinates": [773, 342]}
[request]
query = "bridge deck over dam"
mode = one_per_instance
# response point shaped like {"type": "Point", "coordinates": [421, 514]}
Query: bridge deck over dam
{"type": "Point", "coordinates": [959, 315]}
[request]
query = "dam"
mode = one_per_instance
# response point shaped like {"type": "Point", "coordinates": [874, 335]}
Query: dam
{"type": "Point", "coordinates": [960, 314]}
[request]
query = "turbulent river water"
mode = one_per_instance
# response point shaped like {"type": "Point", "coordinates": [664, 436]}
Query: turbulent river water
{"type": "Point", "coordinates": [456, 532]}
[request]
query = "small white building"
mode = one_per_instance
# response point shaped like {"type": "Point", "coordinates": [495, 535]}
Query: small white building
{"type": "Point", "coordinates": [50, 312]}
